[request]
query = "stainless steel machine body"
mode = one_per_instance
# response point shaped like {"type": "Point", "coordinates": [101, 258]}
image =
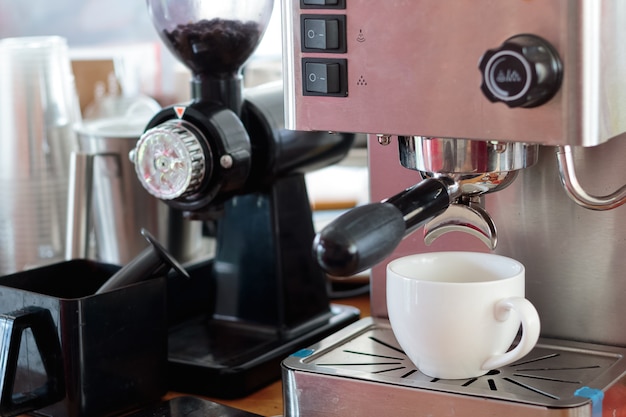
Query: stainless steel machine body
{"type": "Point", "coordinates": [416, 63]}
{"type": "Point", "coordinates": [407, 69]}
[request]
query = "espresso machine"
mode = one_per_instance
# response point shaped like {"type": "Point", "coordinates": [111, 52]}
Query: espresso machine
{"type": "Point", "coordinates": [225, 159]}
{"type": "Point", "coordinates": [493, 126]}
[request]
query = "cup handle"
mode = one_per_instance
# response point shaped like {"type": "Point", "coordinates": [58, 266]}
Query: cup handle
{"type": "Point", "coordinates": [530, 330]}
{"type": "Point", "coordinates": [12, 325]}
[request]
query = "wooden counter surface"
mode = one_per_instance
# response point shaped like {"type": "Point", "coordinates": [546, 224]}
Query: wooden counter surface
{"type": "Point", "coordinates": [269, 400]}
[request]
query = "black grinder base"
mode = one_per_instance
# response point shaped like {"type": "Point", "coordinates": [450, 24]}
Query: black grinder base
{"type": "Point", "coordinates": [264, 297]}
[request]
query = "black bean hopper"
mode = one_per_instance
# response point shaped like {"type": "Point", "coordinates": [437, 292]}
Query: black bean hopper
{"type": "Point", "coordinates": [225, 159]}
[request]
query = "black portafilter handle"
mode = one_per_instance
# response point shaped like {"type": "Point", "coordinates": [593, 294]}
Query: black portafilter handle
{"type": "Point", "coordinates": [365, 235]}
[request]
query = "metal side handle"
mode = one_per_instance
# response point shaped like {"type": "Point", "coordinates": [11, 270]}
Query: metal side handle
{"type": "Point", "coordinates": [80, 201]}
{"type": "Point", "coordinates": [79, 205]}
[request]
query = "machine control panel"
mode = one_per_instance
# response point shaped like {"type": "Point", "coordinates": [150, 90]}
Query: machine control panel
{"type": "Point", "coordinates": [325, 34]}
{"type": "Point", "coordinates": [484, 70]}
{"type": "Point", "coordinates": [324, 77]}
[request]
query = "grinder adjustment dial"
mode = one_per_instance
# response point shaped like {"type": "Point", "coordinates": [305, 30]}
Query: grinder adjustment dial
{"type": "Point", "coordinates": [169, 160]}
{"type": "Point", "coordinates": [525, 71]}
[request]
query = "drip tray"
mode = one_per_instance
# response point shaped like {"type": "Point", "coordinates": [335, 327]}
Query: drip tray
{"type": "Point", "coordinates": [548, 376]}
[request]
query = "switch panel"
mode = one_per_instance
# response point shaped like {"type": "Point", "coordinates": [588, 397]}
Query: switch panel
{"type": "Point", "coordinates": [323, 33]}
{"type": "Point", "coordinates": [325, 77]}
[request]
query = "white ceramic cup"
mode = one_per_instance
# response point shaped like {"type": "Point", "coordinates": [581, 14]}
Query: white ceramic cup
{"type": "Point", "coordinates": [456, 314]}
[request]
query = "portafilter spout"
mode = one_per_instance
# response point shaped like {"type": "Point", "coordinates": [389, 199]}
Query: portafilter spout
{"type": "Point", "coordinates": [457, 173]}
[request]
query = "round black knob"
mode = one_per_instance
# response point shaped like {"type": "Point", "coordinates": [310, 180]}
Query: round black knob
{"type": "Point", "coordinates": [525, 71]}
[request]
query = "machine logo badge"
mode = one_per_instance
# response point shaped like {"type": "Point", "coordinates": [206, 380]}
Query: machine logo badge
{"type": "Point", "coordinates": [511, 76]}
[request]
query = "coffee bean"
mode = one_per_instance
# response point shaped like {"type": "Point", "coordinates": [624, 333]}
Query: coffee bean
{"type": "Point", "coordinates": [217, 47]}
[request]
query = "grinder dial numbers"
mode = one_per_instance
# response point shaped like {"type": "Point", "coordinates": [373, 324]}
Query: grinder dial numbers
{"type": "Point", "coordinates": [525, 71]}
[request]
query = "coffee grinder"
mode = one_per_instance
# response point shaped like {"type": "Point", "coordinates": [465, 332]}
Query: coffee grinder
{"type": "Point", "coordinates": [503, 112]}
{"type": "Point", "coordinates": [225, 159]}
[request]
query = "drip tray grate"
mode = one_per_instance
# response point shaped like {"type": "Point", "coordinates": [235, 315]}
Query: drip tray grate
{"type": "Point", "coordinates": [548, 376]}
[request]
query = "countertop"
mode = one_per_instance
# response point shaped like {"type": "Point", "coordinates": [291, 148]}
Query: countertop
{"type": "Point", "coordinates": [269, 400]}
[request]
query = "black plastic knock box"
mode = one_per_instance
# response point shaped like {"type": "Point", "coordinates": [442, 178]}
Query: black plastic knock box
{"type": "Point", "coordinates": [65, 351]}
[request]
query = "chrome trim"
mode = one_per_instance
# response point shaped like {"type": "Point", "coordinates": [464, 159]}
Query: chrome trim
{"type": "Point", "coordinates": [464, 156]}
{"type": "Point", "coordinates": [289, 64]}
{"type": "Point", "coordinates": [591, 86]}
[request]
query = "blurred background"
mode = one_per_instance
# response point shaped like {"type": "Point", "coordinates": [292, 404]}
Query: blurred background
{"type": "Point", "coordinates": [118, 35]}
{"type": "Point", "coordinates": [117, 58]}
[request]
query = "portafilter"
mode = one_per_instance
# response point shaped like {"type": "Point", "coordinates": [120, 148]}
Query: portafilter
{"type": "Point", "coordinates": [456, 174]}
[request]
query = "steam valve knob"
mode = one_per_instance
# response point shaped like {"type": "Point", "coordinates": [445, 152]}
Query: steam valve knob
{"type": "Point", "coordinates": [169, 160]}
{"type": "Point", "coordinates": [525, 71]}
